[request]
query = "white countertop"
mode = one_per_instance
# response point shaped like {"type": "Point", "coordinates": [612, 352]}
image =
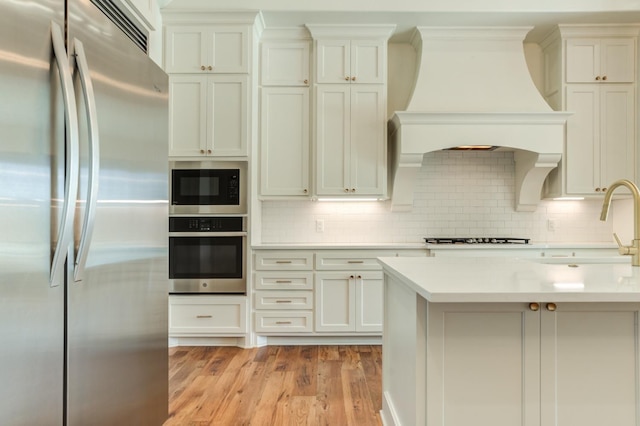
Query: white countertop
{"type": "Point", "coordinates": [509, 279]}
{"type": "Point", "coordinates": [339, 246]}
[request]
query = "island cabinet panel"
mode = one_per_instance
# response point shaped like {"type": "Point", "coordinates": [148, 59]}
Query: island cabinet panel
{"type": "Point", "coordinates": [508, 364]}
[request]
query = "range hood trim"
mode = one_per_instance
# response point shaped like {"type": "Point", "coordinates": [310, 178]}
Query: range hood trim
{"type": "Point", "coordinates": [412, 134]}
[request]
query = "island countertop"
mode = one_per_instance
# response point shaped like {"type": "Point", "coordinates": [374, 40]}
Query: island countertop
{"type": "Point", "coordinates": [510, 279]}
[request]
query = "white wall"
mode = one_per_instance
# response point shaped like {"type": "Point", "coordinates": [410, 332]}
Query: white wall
{"type": "Point", "coordinates": [458, 194]}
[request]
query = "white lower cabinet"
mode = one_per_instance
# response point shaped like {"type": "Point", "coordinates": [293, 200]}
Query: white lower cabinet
{"type": "Point", "coordinates": [508, 364]}
{"type": "Point", "coordinates": [205, 316]}
{"type": "Point", "coordinates": [349, 301]}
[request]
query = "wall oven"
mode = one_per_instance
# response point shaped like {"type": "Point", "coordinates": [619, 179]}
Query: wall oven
{"type": "Point", "coordinates": [208, 187]}
{"type": "Point", "coordinates": [207, 254]}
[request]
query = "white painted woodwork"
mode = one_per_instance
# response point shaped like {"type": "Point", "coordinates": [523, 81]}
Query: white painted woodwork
{"type": "Point", "coordinates": [349, 260]}
{"type": "Point", "coordinates": [600, 136]}
{"type": "Point", "coordinates": [216, 48]}
{"type": "Point", "coordinates": [284, 142]}
{"type": "Point", "coordinates": [283, 300]}
{"type": "Point", "coordinates": [283, 260]}
{"type": "Point", "coordinates": [284, 322]}
{"type": "Point", "coordinates": [208, 115]}
{"type": "Point", "coordinates": [285, 63]}
{"type": "Point", "coordinates": [283, 280]}
{"type": "Point", "coordinates": [348, 301]}
{"type": "Point", "coordinates": [343, 61]}
{"type": "Point", "coordinates": [350, 140]}
{"type": "Point", "coordinates": [506, 364]}
{"type": "Point", "coordinates": [609, 60]}
{"type": "Point", "coordinates": [204, 315]}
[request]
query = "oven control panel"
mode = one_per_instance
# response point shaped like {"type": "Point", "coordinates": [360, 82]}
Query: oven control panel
{"type": "Point", "coordinates": [206, 224]}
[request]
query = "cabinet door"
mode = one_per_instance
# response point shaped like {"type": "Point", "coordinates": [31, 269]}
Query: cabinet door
{"type": "Point", "coordinates": [187, 115]}
{"type": "Point", "coordinates": [590, 358]}
{"type": "Point", "coordinates": [367, 140]}
{"type": "Point", "coordinates": [333, 128]}
{"type": "Point", "coordinates": [227, 115]}
{"type": "Point", "coordinates": [285, 63]}
{"type": "Point", "coordinates": [582, 158]}
{"type": "Point", "coordinates": [466, 345]}
{"type": "Point", "coordinates": [369, 302]}
{"type": "Point", "coordinates": [583, 60]}
{"type": "Point", "coordinates": [186, 50]}
{"type": "Point", "coordinates": [335, 301]}
{"type": "Point", "coordinates": [617, 146]}
{"type": "Point", "coordinates": [284, 142]}
{"type": "Point", "coordinates": [228, 50]}
{"type": "Point", "coordinates": [333, 61]}
{"type": "Point", "coordinates": [368, 61]}
{"type": "Point", "coordinates": [617, 60]}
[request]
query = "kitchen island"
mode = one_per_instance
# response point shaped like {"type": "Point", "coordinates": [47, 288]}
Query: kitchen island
{"type": "Point", "coordinates": [506, 341]}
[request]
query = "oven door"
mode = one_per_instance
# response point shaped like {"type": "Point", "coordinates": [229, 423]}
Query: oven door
{"type": "Point", "coordinates": [206, 263]}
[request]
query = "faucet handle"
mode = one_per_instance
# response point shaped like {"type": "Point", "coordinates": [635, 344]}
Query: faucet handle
{"type": "Point", "coordinates": [624, 250]}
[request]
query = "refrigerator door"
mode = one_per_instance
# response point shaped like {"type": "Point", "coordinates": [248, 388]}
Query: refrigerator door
{"type": "Point", "coordinates": [32, 182]}
{"type": "Point", "coordinates": [117, 295]}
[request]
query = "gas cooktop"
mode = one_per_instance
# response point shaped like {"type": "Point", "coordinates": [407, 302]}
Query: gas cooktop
{"type": "Point", "coordinates": [483, 240]}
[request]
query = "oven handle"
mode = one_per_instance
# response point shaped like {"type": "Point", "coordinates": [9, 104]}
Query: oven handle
{"type": "Point", "coordinates": [207, 234]}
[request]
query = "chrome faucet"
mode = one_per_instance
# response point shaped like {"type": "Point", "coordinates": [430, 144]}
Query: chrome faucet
{"type": "Point", "coordinates": [634, 248]}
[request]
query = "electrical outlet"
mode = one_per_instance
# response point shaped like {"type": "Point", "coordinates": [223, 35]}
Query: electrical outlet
{"type": "Point", "coordinates": [552, 224]}
{"type": "Point", "coordinates": [319, 225]}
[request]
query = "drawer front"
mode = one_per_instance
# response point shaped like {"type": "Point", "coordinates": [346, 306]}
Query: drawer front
{"type": "Point", "coordinates": [284, 322]}
{"type": "Point", "coordinates": [199, 317]}
{"type": "Point", "coordinates": [279, 300]}
{"type": "Point", "coordinates": [348, 261]}
{"type": "Point", "coordinates": [284, 261]}
{"type": "Point", "coordinates": [282, 280]}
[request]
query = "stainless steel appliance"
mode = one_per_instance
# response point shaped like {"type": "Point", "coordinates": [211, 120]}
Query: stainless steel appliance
{"type": "Point", "coordinates": [83, 218]}
{"type": "Point", "coordinates": [208, 187]}
{"type": "Point", "coordinates": [476, 240]}
{"type": "Point", "coordinates": [207, 255]}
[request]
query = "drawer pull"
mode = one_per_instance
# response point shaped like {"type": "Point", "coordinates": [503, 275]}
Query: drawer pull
{"type": "Point", "coordinates": [283, 281]}
{"type": "Point", "coordinates": [204, 316]}
{"type": "Point", "coordinates": [283, 322]}
{"type": "Point", "coordinates": [355, 261]}
{"type": "Point", "coordinates": [284, 301]}
{"type": "Point", "coordinates": [283, 261]}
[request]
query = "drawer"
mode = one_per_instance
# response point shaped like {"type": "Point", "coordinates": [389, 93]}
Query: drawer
{"type": "Point", "coordinates": [282, 280]}
{"type": "Point", "coordinates": [348, 260]}
{"type": "Point", "coordinates": [207, 315]}
{"type": "Point", "coordinates": [283, 261]}
{"type": "Point", "coordinates": [284, 322]}
{"type": "Point", "coordinates": [279, 300]}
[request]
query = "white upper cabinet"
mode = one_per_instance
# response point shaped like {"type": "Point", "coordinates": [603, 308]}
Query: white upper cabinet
{"type": "Point", "coordinates": [351, 61]}
{"type": "Point", "coordinates": [284, 63]}
{"type": "Point", "coordinates": [601, 60]}
{"type": "Point", "coordinates": [207, 49]}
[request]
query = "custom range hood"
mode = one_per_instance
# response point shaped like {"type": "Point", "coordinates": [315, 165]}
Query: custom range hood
{"type": "Point", "coordinates": [473, 88]}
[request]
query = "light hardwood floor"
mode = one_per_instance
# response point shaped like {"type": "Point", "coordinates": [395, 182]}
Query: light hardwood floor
{"type": "Point", "coordinates": [275, 385]}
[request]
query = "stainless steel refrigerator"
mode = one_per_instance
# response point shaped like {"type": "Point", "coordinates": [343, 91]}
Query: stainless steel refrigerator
{"type": "Point", "coordinates": [83, 219]}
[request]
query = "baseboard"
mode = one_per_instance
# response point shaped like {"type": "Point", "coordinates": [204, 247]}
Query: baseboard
{"type": "Point", "coordinates": [388, 413]}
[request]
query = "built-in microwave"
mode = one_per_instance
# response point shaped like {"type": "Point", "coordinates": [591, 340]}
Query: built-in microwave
{"type": "Point", "coordinates": [208, 187]}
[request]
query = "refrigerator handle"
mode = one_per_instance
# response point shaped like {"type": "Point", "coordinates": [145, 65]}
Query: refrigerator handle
{"type": "Point", "coordinates": [72, 158]}
{"type": "Point", "coordinates": [94, 159]}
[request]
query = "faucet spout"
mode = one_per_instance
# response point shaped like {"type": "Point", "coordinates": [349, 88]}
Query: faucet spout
{"type": "Point", "coordinates": [634, 248]}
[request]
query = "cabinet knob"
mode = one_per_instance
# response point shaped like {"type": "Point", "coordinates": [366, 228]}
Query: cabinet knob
{"type": "Point", "coordinates": [347, 78]}
{"type": "Point", "coordinates": [353, 79]}
{"type": "Point", "coordinates": [306, 82]}
{"type": "Point", "coordinates": [534, 306]}
{"type": "Point", "coordinates": [359, 277]}
{"type": "Point", "coordinates": [202, 151]}
{"type": "Point", "coordinates": [551, 307]}
{"type": "Point", "coordinates": [604, 77]}
{"type": "Point", "coordinates": [346, 190]}
{"type": "Point", "coordinates": [305, 190]}
{"type": "Point", "coordinates": [597, 189]}
{"type": "Point", "coordinates": [604, 189]}
{"type": "Point", "coordinates": [353, 190]}
{"type": "Point", "coordinates": [351, 277]}
{"type": "Point", "coordinates": [202, 67]}
{"type": "Point", "coordinates": [208, 151]}
{"type": "Point", "coordinates": [209, 67]}
{"type": "Point", "coordinates": [597, 78]}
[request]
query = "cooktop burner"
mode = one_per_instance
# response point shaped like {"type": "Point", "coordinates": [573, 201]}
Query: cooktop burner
{"type": "Point", "coordinates": [483, 240]}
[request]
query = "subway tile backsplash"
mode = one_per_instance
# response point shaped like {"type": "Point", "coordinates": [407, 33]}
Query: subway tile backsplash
{"type": "Point", "coordinates": [458, 194]}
